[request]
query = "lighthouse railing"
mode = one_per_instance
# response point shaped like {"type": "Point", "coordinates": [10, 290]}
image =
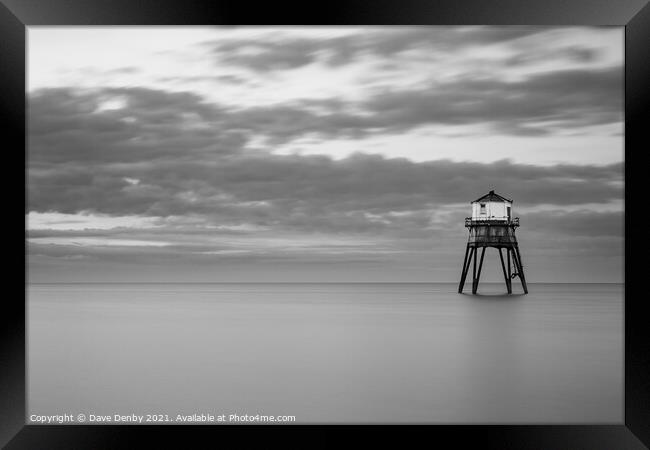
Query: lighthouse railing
{"type": "Point", "coordinates": [472, 222]}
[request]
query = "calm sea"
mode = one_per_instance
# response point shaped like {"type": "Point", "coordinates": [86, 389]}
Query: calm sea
{"type": "Point", "coordinates": [329, 353]}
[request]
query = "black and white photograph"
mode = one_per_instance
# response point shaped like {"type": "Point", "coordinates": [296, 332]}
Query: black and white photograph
{"type": "Point", "coordinates": [325, 225]}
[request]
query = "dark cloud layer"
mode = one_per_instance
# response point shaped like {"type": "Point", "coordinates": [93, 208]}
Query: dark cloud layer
{"type": "Point", "coordinates": [538, 106]}
{"type": "Point", "coordinates": [65, 125]}
{"type": "Point", "coordinates": [85, 159]}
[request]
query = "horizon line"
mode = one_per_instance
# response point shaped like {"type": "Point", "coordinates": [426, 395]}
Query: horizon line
{"type": "Point", "coordinates": [308, 282]}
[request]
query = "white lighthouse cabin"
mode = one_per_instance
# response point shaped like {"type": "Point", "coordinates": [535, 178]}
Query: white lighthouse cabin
{"type": "Point", "coordinates": [492, 207]}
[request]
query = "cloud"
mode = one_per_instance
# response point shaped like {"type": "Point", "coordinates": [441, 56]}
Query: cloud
{"type": "Point", "coordinates": [66, 125]}
{"type": "Point", "coordinates": [585, 224]}
{"type": "Point", "coordinates": [523, 81]}
{"type": "Point", "coordinates": [311, 193]}
{"type": "Point", "coordinates": [539, 105]}
{"type": "Point", "coordinates": [191, 157]}
{"type": "Point", "coordinates": [278, 51]}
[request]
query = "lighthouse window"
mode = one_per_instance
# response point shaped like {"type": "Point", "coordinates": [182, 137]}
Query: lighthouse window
{"type": "Point", "coordinates": [482, 208]}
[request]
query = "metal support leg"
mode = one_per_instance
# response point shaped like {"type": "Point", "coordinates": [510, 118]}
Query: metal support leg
{"type": "Point", "coordinates": [474, 272]}
{"type": "Point", "coordinates": [505, 275]}
{"type": "Point", "coordinates": [469, 263]}
{"type": "Point", "coordinates": [509, 270]}
{"type": "Point", "coordinates": [522, 277]}
{"type": "Point", "coordinates": [478, 275]}
{"type": "Point", "coordinates": [463, 273]}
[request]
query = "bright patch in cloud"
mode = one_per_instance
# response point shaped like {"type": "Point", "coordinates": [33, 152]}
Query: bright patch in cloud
{"type": "Point", "coordinates": [97, 242]}
{"type": "Point", "coordinates": [83, 221]}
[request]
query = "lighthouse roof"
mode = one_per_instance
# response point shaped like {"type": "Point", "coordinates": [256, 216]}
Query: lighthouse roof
{"type": "Point", "coordinates": [492, 197]}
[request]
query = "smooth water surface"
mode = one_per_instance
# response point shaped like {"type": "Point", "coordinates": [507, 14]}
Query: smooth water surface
{"type": "Point", "coordinates": [328, 353]}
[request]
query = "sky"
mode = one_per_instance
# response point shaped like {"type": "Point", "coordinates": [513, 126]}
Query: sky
{"type": "Point", "coordinates": [313, 154]}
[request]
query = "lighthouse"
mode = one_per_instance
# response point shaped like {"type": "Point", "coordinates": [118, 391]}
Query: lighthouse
{"type": "Point", "coordinates": [492, 225]}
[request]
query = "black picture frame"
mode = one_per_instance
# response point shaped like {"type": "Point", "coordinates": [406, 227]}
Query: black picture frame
{"type": "Point", "coordinates": [16, 15]}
